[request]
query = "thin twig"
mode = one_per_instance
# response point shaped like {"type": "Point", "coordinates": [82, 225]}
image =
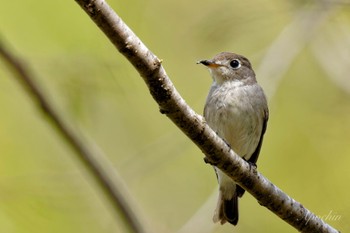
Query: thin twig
{"type": "Point", "coordinates": [194, 126]}
{"type": "Point", "coordinates": [103, 172]}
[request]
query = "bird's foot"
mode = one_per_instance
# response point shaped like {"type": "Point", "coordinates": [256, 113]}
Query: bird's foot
{"type": "Point", "coordinates": [252, 165]}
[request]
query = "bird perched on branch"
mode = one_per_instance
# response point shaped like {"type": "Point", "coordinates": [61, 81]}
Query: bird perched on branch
{"type": "Point", "coordinates": [236, 109]}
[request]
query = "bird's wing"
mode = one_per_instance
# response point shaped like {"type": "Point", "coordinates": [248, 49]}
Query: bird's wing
{"type": "Point", "coordinates": [239, 190]}
{"type": "Point", "coordinates": [255, 155]}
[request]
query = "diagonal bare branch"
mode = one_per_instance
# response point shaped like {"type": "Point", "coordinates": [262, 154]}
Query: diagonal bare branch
{"type": "Point", "coordinates": [193, 125]}
{"type": "Point", "coordinates": [90, 155]}
{"type": "Point", "coordinates": [294, 37]}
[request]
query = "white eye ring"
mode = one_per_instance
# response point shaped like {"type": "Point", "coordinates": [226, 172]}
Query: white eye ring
{"type": "Point", "coordinates": [235, 63]}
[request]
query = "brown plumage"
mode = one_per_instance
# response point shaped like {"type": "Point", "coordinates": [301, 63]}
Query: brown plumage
{"type": "Point", "coordinates": [236, 109]}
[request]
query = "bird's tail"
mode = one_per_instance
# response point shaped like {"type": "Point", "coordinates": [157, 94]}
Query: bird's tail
{"type": "Point", "coordinates": [226, 210]}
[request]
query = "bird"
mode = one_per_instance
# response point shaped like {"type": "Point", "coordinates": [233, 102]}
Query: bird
{"type": "Point", "coordinates": [236, 109]}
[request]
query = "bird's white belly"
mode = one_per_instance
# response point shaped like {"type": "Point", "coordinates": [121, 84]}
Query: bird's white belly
{"type": "Point", "coordinates": [236, 119]}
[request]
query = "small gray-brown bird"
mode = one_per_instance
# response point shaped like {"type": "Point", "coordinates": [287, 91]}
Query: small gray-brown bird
{"type": "Point", "coordinates": [236, 109]}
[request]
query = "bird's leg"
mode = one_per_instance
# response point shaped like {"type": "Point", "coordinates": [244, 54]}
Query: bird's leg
{"type": "Point", "coordinates": [252, 165]}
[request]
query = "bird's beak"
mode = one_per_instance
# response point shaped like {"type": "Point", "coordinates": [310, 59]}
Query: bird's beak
{"type": "Point", "coordinates": [209, 63]}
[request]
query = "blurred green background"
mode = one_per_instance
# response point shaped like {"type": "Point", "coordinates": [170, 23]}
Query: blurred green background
{"type": "Point", "coordinates": [300, 51]}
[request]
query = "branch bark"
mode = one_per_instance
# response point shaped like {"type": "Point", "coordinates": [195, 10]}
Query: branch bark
{"type": "Point", "coordinates": [193, 125]}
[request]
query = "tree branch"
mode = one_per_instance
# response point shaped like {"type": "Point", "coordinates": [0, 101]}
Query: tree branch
{"type": "Point", "coordinates": [194, 126]}
{"type": "Point", "coordinates": [103, 172]}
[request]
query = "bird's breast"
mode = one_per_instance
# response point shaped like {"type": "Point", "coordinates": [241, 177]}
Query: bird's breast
{"type": "Point", "coordinates": [235, 112]}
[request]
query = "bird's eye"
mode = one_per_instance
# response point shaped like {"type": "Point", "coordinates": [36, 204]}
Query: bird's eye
{"type": "Point", "coordinates": [235, 64]}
